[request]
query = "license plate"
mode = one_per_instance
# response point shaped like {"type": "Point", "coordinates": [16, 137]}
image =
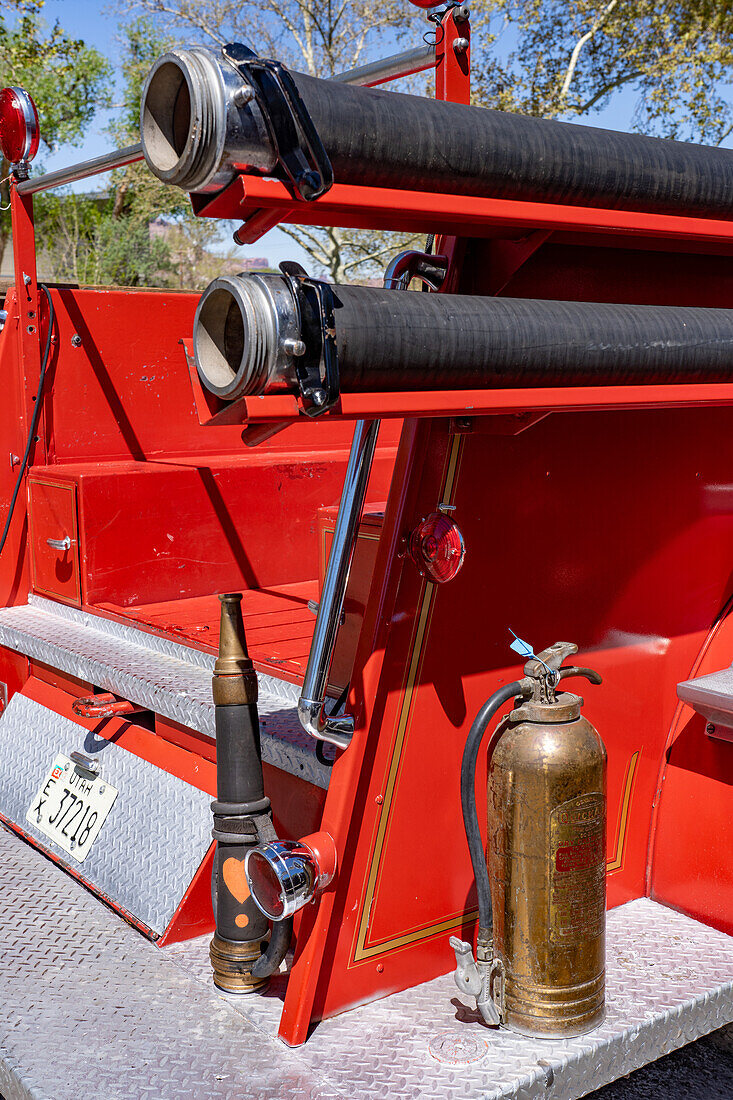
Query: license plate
{"type": "Point", "coordinates": [71, 807]}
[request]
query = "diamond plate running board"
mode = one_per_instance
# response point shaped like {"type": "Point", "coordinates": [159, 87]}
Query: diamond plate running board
{"type": "Point", "coordinates": [163, 676]}
{"type": "Point", "coordinates": [91, 1009]}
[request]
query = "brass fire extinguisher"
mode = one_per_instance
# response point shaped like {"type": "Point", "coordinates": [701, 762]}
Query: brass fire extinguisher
{"type": "Point", "coordinates": [540, 966]}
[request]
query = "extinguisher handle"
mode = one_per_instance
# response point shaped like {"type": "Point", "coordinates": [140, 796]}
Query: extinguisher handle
{"type": "Point", "coordinates": [576, 670]}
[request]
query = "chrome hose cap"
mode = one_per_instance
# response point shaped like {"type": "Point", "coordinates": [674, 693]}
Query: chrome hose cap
{"type": "Point", "coordinates": [244, 332]}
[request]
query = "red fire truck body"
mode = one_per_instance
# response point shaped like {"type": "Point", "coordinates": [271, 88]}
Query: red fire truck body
{"type": "Point", "coordinates": [603, 514]}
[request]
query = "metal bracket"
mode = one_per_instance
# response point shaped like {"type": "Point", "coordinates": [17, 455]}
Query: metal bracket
{"type": "Point", "coordinates": [86, 765]}
{"type": "Point", "coordinates": [317, 369]}
{"type": "Point", "coordinates": [295, 141]}
{"type": "Point", "coordinates": [412, 264]}
{"type": "Point", "coordinates": [477, 980]}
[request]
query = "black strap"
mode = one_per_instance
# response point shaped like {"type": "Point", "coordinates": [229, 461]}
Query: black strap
{"type": "Point", "coordinates": [295, 140]}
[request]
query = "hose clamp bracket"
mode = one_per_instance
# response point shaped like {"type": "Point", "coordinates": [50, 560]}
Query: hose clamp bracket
{"type": "Point", "coordinates": [317, 369]}
{"type": "Point", "coordinates": [295, 140]}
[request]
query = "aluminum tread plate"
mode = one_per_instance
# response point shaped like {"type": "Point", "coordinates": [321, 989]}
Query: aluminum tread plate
{"type": "Point", "coordinates": [97, 1011]}
{"type": "Point", "coordinates": [710, 695]}
{"type": "Point", "coordinates": [92, 1010]}
{"type": "Point", "coordinates": [161, 675]}
{"type": "Point", "coordinates": [669, 981]}
{"type": "Point", "coordinates": [158, 830]}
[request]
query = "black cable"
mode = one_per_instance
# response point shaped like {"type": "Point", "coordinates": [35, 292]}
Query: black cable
{"type": "Point", "coordinates": [34, 417]}
{"type": "Point", "coordinates": [276, 950]}
{"type": "Point", "coordinates": [468, 800]}
{"type": "Point", "coordinates": [321, 757]}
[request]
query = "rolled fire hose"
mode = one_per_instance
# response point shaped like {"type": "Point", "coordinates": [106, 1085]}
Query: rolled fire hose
{"type": "Point", "coordinates": [252, 333]}
{"type": "Point", "coordinates": [204, 111]}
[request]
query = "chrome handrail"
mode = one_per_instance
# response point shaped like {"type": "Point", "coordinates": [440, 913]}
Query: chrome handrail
{"type": "Point", "coordinates": [390, 68]}
{"type": "Point", "coordinates": [117, 158]}
{"type": "Point", "coordinates": [337, 730]}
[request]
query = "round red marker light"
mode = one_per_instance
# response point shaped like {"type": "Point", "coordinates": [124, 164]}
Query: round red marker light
{"type": "Point", "coordinates": [19, 129]}
{"type": "Point", "coordinates": [436, 547]}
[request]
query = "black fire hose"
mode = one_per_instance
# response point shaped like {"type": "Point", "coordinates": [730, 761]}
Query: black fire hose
{"type": "Point", "coordinates": [203, 113]}
{"type": "Point", "coordinates": [386, 139]}
{"type": "Point", "coordinates": [468, 803]}
{"type": "Point", "coordinates": [246, 327]}
{"type": "Point", "coordinates": [389, 341]}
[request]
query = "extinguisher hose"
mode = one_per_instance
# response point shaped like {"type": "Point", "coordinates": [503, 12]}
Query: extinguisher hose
{"type": "Point", "coordinates": [468, 800]}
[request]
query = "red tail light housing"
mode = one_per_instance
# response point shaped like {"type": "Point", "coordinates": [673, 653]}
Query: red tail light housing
{"type": "Point", "coordinates": [19, 129]}
{"type": "Point", "coordinates": [437, 548]}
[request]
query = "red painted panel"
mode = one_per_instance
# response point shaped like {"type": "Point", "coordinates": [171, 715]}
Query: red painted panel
{"type": "Point", "coordinates": [14, 671]}
{"type": "Point", "coordinates": [360, 579]}
{"type": "Point", "coordinates": [586, 272]}
{"type": "Point", "coordinates": [613, 530]}
{"type": "Point", "coordinates": [52, 515]}
{"type": "Point", "coordinates": [124, 393]}
{"type": "Point", "coordinates": [14, 566]}
{"type": "Point", "coordinates": [161, 531]}
{"type": "Point", "coordinates": [691, 866]}
{"type": "Point", "coordinates": [278, 624]}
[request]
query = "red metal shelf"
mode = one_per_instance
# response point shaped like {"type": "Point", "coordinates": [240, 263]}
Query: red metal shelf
{"type": "Point", "coordinates": [264, 203]}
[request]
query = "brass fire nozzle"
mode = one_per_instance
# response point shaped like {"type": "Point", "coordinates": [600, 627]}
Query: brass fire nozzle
{"type": "Point", "coordinates": [235, 680]}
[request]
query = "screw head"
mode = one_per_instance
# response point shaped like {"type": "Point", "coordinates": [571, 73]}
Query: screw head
{"type": "Point", "coordinates": [243, 95]}
{"type": "Point", "coordinates": [76, 340]}
{"type": "Point", "coordinates": [308, 183]}
{"type": "Point", "coordinates": [710, 728]}
{"type": "Point", "coordinates": [293, 347]}
{"type": "Point", "coordinates": [460, 45]}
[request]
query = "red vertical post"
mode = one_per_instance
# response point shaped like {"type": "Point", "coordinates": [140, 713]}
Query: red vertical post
{"type": "Point", "coordinates": [452, 82]}
{"type": "Point", "coordinates": [26, 285]}
{"type": "Point", "coordinates": [453, 58]}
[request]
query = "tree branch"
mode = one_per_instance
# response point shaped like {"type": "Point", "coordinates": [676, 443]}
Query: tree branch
{"type": "Point", "coordinates": [610, 87]}
{"type": "Point", "coordinates": [371, 256]}
{"type": "Point", "coordinates": [585, 38]}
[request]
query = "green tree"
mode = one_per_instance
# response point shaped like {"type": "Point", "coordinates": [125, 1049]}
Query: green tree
{"type": "Point", "coordinates": [569, 58]}
{"type": "Point", "coordinates": [318, 37]}
{"type": "Point", "coordinates": [82, 241]}
{"type": "Point", "coordinates": [68, 80]}
{"type": "Point", "coordinates": [136, 232]}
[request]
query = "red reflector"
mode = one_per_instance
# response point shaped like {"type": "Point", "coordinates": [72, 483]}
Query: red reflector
{"type": "Point", "coordinates": [19, 129]}
{"type": "Point", "coordinates": [265, 886]}
{"type": "Point", "coordinates": [436, 547]}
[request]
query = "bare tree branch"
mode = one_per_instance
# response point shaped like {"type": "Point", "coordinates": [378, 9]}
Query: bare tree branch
{"type": "Point", "coordinates": [582, 41]}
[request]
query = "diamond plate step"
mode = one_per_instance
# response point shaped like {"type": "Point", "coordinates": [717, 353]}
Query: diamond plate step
{"type": "Point", "coordinates": [142, 861]}
{"type": "Point", "coordinates": [93, 1010]}
{"type": "Point", "coordinates": [164, 676]}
